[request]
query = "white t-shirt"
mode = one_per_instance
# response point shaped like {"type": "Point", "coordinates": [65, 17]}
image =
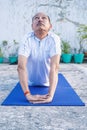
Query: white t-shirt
{"type": "Point", "coordinates": [39, 53]}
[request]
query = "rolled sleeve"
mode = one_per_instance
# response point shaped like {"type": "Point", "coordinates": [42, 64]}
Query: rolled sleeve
{"type": "Point", "coordinates": [55, 48]}
{"type": "Point", "coordinates": [24, 48]}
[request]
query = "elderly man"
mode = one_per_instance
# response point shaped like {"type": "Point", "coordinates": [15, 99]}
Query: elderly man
{"type": "Point", "coordinates": [39, 57]}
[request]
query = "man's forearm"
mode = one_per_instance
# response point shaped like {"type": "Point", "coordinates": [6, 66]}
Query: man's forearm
{"type": "Point", "coordinates": [53, 79]}
{"type": "Point", "coordinates": [23, 79]}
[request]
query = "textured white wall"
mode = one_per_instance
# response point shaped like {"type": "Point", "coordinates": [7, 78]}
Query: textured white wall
{"type": "Point", "coordinates": [66, 15]}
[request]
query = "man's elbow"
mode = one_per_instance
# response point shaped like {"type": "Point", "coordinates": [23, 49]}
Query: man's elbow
{"type": "Point", "coordinates": [20, 68]}
{"type": "Point", "coordinates": [55, 69]}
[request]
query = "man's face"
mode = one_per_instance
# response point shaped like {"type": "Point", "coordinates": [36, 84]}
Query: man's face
{"type": "Point", "coordinates": [41, 22]}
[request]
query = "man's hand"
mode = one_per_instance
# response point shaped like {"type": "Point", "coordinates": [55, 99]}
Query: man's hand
{"type": "Point", "coordinates": [35, 98]}
{"type": "Point", "coordinates": [40, 98]}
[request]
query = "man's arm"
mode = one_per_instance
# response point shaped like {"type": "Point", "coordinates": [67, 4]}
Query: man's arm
{"type": "Point", "coordinates": [53, 76]}
{"type": "Point", "coordinates": [23, 77]}
{"type": "Point", "coordinates": [22, 72]}
{"type": "Point", "coordinates": [53, 79]}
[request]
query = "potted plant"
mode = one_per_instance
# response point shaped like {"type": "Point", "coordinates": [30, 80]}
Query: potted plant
{"type": "Point", "coordinates": [13, 56]}
{"type": "Point", "coordinates": [82, 33]}
{"type": "Point", "coordinates": [66, 55]}
{"type": "Point", "coordinates": [85, 52]}
{"type": "Point", "coordinates": [5, 50]}
{"type": "Point", "coordinates": [1, 56]}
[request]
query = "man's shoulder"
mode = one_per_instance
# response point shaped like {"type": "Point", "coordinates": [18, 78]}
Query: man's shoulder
{"type": "Point", "coordinates": [29, 35]}
{"type": "Point", "coordinates": [53, 35]}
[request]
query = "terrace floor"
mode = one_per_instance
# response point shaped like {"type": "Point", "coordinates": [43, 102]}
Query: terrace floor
{"type": "Point", "coordinates": [44, 118]}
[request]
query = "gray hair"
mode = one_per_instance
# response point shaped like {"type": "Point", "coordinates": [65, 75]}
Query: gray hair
{"type": "Point", "coordinates": [46, 15]}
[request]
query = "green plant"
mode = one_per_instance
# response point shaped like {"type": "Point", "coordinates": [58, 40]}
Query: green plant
{"type": "Point", "coordinates": [1, 54]}
{"type": "Point", "coordinates": [13, 58]}
{"type": "Point", "coordinates": [14, 50]}
{"type": "Point", "coordinates": [4, 43]}
{"type": "Point", "coordinates": [65, 47]}
{"type": "Point", "coordinates": [14, 41]}
{"type": "Point", "coordinates": [12, 54]}
{"type": "Point", "coordinates": [82, 33]}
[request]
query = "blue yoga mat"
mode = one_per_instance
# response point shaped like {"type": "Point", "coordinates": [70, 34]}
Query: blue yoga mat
{"type": "Point", "coordinates": [64, 95]}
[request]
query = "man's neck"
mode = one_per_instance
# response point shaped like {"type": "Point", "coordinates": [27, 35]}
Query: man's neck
{"type": "Point", "coordinates": [41, 34]}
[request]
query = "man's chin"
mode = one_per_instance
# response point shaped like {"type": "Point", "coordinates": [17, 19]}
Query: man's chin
{"type": "Point", "coordinates": [41, 28]}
